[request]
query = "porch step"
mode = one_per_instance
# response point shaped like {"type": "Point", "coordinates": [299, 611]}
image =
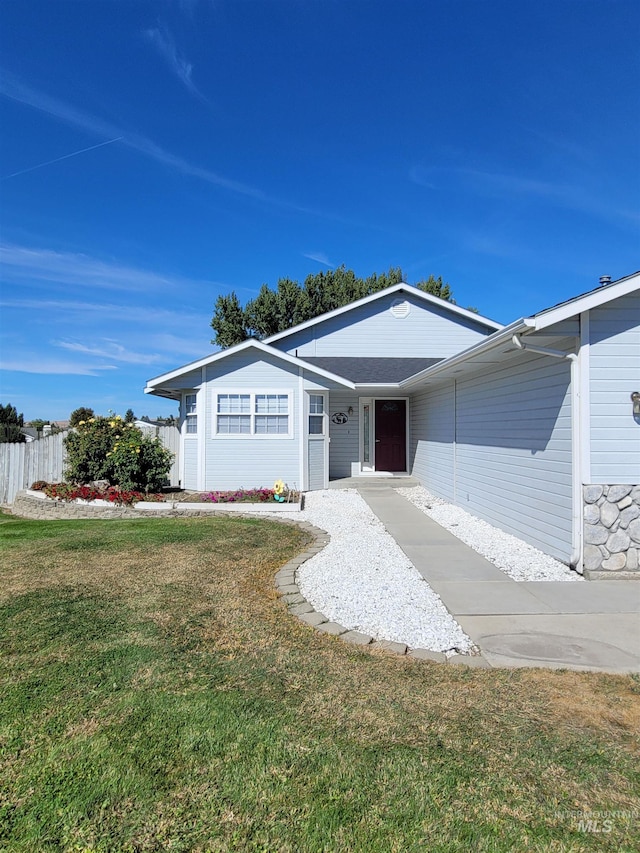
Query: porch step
{"type": "Point", "coordinates": [368, 482]}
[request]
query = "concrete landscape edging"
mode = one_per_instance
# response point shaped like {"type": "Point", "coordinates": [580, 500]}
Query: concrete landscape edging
{"type": "Point", "coordinates": [33, 504]}
{"type": "Point", "coordinates": [286, 581]}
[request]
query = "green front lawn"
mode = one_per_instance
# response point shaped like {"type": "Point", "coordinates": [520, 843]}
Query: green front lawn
{"type": "Point", "coordinates": [155, 695]}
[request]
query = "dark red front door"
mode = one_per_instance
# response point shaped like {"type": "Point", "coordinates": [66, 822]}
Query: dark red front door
{"type": "Point", "coordinates": [391, 435]}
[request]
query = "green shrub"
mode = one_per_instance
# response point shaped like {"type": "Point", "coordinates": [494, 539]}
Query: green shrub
{"type": "Point", "coordinates": [110, 449]}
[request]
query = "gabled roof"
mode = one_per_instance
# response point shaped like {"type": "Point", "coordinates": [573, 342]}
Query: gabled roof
{"type": "Point", "coordinates": [372, 371]}
{"type": "Point", "coordinates": [395, 288]}
{"type": "Point", "coordinates": [154, 386]}
{"type": "Point", "coordinates": [585, 301]}
{"type": "Point", "coordinates": [528, 325]}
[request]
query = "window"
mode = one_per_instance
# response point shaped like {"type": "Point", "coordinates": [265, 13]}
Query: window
{"type": "Point", "coordinates": [252, 413]}
{"type": "Point", "coordinates": [234, 414]}
{"type": "Point", "coordinates": [190, 414]}
{"type": "Point", "coordinates": [316, 414]}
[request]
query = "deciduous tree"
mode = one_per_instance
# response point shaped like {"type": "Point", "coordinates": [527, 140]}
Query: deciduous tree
{"type": "Point", "coordinates": [275, 310]}
{"type": "Point", "coordinates": [83, 413]}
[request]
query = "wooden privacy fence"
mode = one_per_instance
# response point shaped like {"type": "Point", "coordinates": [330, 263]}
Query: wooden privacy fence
{"type": "Point", "coordinates": [22, 464]}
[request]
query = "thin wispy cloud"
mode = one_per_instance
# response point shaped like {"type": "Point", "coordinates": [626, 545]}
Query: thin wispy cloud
{"type": "Point", "coordinates": [90, 311]}
{"type": "Point", "coordinates": [504, 185]}
{"type": "Point", "coordinates": [11, 87]}
{"type": "Point", "coordinates": [164, 43]}
{"type": "Point", "coordinates": [14, 89]}
{"type": "Point", "coordinates": [19, 263]}
{"type": "Point", "coordinates": [319, 257]}
{"type": "Point", "coordinates": [110, 349]}
{"type": "Point", "coordinates": [32, 363]}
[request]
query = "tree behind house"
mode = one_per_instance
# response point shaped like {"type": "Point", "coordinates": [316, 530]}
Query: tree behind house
{"type": "Point", "coordinates": [279, 309]}
{"type": "Point", "coordinates": [10, 425]}
{"type": "Point", "coordinates": [83, 413]}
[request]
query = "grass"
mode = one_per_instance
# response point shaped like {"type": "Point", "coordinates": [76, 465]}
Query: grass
{"type": "Point", "coordinates": [157, 696]}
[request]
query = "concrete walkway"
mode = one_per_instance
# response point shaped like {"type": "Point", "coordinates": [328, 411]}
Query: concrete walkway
{"type": "Point", "coordinates": [593, 625]}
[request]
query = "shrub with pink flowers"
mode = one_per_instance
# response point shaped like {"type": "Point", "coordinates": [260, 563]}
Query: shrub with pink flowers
{"type": "Point", "coordinates": [246, 496]}
{"type": "Point", "coordinates": [238, 496]}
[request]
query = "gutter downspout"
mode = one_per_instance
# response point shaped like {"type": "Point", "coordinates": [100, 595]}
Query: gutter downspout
{"type": "Point", "coordinates": [576, 479]}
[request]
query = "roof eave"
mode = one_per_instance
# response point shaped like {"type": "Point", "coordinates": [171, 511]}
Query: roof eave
{"type": "Point", "coordinates": [587, 301]}
{"type": "Point", "coordinates": [153, 385]}
{"type": "Point", "coordinates": [518, 327]}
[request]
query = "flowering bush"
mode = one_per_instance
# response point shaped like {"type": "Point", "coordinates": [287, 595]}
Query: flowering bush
{"type": "Point", "coordinates": [69, 492]}
{"type": "Point", "coordinates": [238, 496]}
{"type": "Point", "coordinates": [244, 496]}
{"type": "Point", "coordinates": [110, 449]}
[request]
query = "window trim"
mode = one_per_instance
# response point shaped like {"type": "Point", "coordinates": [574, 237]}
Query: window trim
{"type": "Point", "coordinates": [190, 416]}
{"type": "Point", "coordinates": [322, 416]}
{"type": "Point", "coordinates": [252, 393]}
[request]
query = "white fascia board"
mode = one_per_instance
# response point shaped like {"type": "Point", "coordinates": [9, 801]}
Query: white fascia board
{"type": "Point", "coordinates": [395, 288]}
{"type": "Point", "coordinates": [377, 386]}
{"type": "Point", "coordinates": [518, 327]}
{"type": "Point", "coordinates": [152, 386]}
{"type": "Point", "coordinates": [159, 392]}
{"type": "Point", "coordinates": [593, 299]}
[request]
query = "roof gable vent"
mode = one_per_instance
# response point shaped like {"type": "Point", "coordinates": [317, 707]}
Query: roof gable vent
{"type": "Point", "coordinates": [400, 308]}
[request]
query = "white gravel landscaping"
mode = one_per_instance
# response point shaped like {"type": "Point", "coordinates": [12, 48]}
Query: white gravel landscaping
{"type": "Point", "coordinates": [364, 581]}
{"type": "Point", "coordinates": [522, 562]}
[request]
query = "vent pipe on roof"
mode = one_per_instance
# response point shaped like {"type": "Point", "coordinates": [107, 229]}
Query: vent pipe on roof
{"type": "Point", "coordinates": [605, 279]}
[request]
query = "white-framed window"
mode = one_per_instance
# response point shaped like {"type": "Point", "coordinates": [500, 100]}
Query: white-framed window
{"type": "Point", "coordinates": [190, 414]}
{"type": "Point", "coordinates": [316, 414]}
{"type": "Point", "coordinates": [260, 413]}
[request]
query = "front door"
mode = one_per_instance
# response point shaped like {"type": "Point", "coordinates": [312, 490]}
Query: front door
{"type": "Point", "coordinates": [391, 435]}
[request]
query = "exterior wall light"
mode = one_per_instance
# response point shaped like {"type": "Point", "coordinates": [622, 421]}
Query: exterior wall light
{"type": "Point", "coordinates": [635, 399]}
{"type": "Point", "coordinates": [350, 409]}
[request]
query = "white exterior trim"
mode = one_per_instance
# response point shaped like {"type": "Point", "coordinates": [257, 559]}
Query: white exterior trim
{"type": "Point", "coordinates": [535, 323]}
{"type": "Point", "coordinates": [252, 393]}
{"type": "Point", "coordinates": [303, 450]}
{"type": "Point", "coordinates": [585, 397]}
{"type": "Point", "coordinates": [152, 386]}
{"type": "Point", "coordinates": [395, 288]}
{"type": "Point", "coordinates": [201, 408]}
{"type": "Point", "coordinates": [580, 304]}
{"type": "Point", "coordinates": [324, 438]}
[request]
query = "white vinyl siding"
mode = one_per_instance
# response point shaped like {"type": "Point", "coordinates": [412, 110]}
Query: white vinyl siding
{"type": "Point", "coordinates": [614, 359]}
{"type": "Point", "coordinates": [190, 465]}
{"type": "Point", "coordinates": [345, 439]}
{"type": "Point", "coordinates": [427, 331]}
{"type": "Point", "coordinates": [432, 439]}
{"type": "Point", "coordinates": [316, 465]}
{"type": "Point", "coordinates": [231, 461]}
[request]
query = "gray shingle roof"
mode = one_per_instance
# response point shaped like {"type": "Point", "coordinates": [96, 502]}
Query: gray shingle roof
{"type": "Point", "coordinates": [372, 370]}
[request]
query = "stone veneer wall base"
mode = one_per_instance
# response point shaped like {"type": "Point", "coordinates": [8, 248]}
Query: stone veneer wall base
{"type": "Point", "coordinates": [611, 515]}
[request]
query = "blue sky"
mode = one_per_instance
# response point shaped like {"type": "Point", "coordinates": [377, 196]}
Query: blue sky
{"type": "Point", "coordinates": [157, 154]}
